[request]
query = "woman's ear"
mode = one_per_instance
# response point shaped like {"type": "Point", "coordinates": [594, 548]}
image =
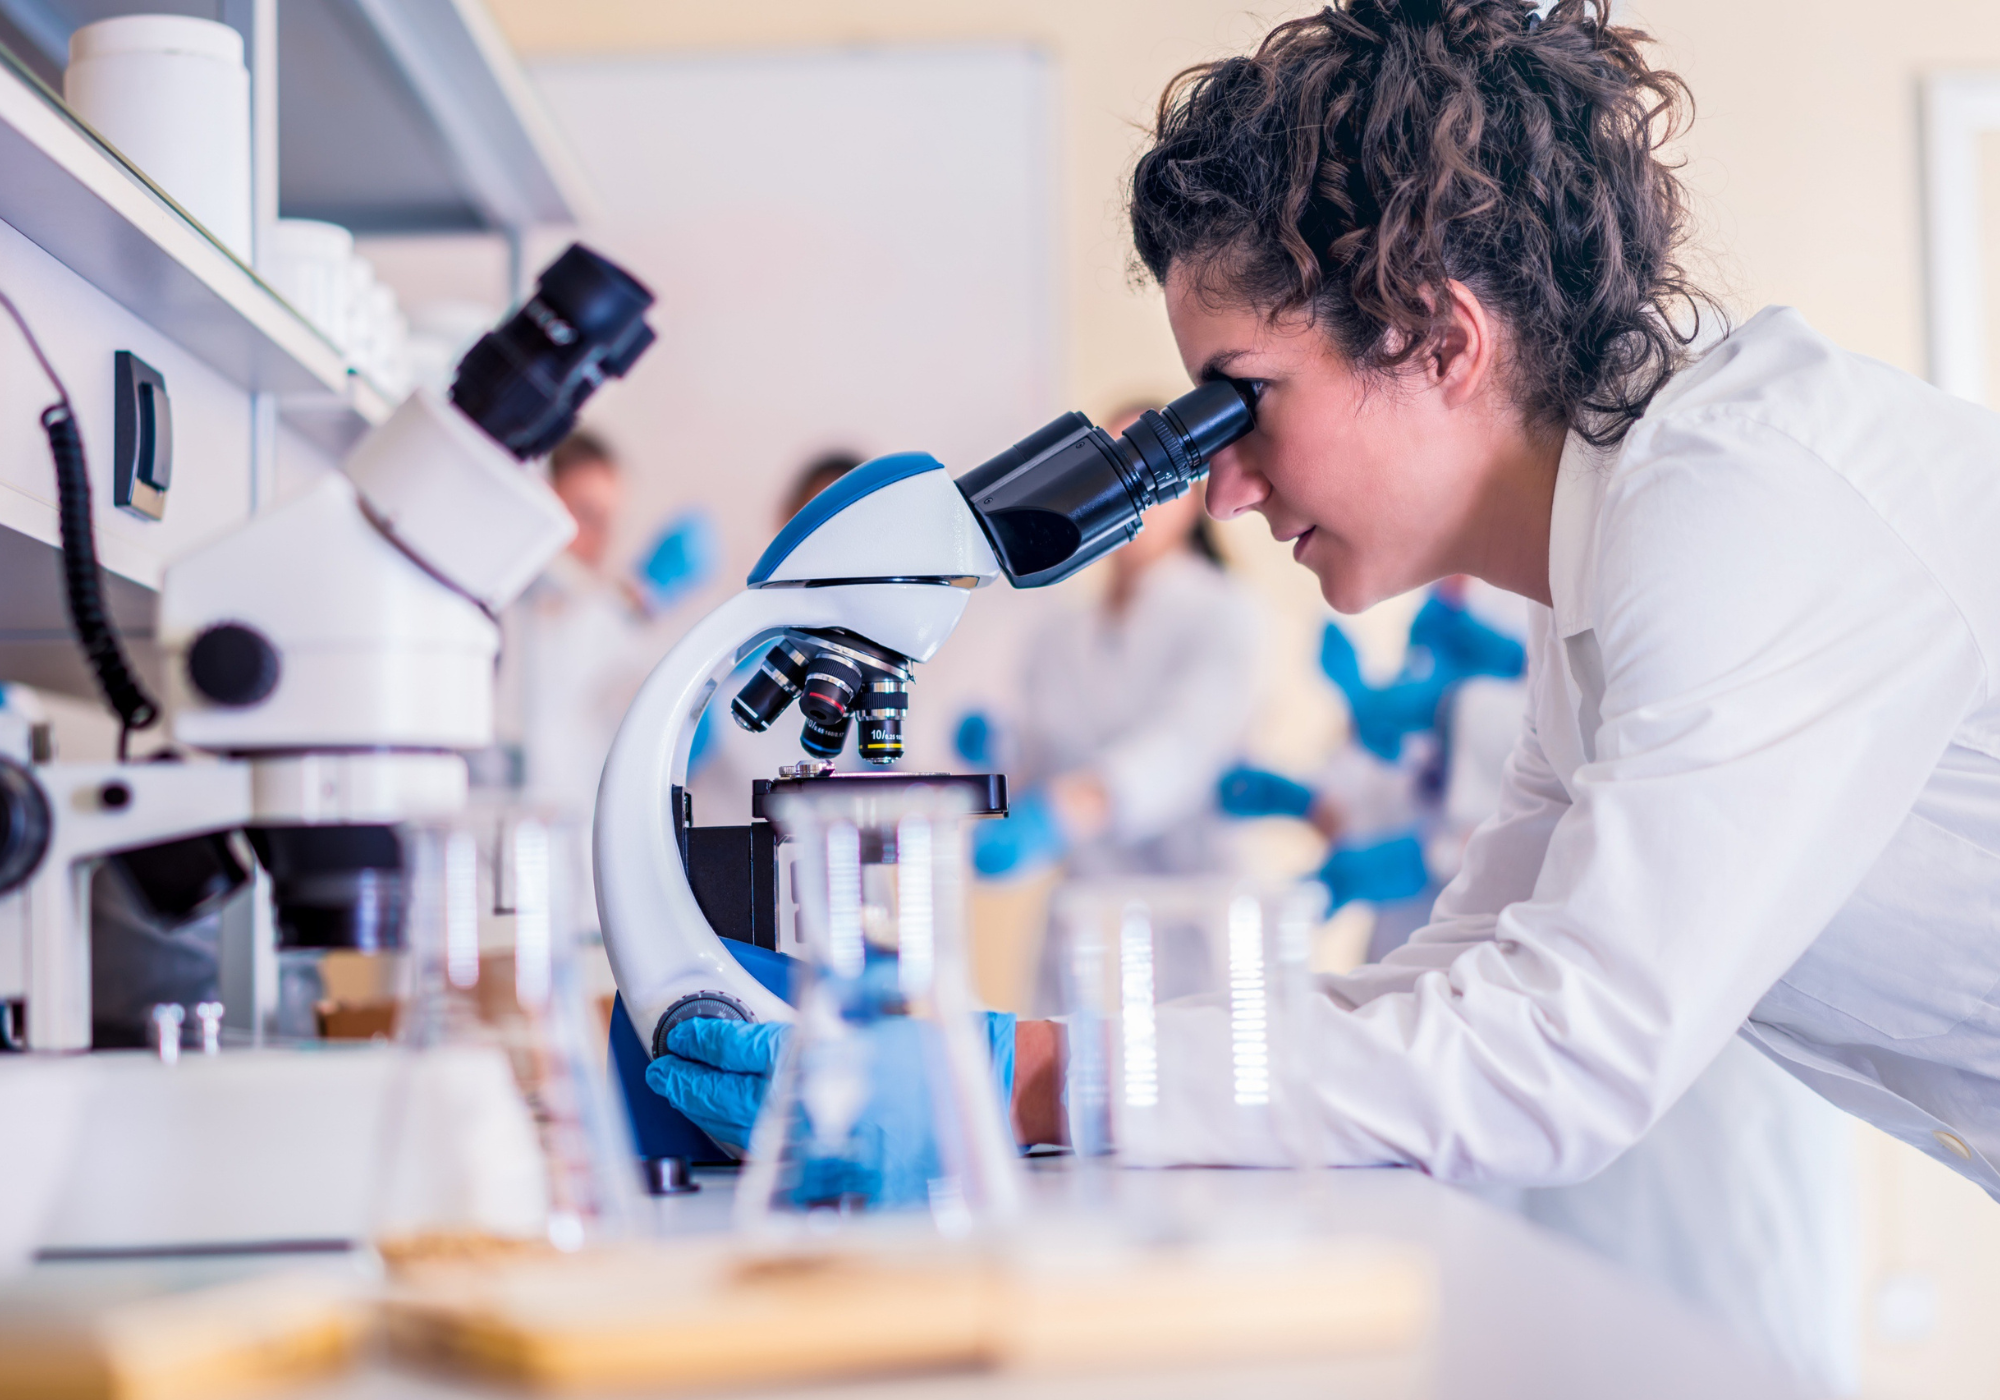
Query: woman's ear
{"type": "Point", "coordinates": [1461, 362]}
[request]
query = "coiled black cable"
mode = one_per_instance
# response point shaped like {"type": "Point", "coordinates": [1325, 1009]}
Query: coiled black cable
{"type": "Point", "coordinates": [82, 581]}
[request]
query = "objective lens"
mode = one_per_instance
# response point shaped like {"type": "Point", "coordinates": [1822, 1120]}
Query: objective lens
{"type": "Point", "coordinates": [765, 695]}
{"type": "Point", "coordinates": [823, 740]}
{"type": "Point", "coordinates": [883, 706]}
{"type": "Point", "coordinates": [829, 691]}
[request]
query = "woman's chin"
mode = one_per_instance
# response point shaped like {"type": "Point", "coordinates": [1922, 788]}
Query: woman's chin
{"type": "Point", "coordinates": [1344, 587]}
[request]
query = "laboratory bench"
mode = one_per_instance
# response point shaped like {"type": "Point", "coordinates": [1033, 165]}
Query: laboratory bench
{"type": "Point", "coordinates": [1519, 1311]}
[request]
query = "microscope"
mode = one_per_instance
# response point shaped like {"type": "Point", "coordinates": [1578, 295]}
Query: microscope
{"type": "Point", "coordinates": [328, 664]}
{"type": "Point", "coordinates": [866, 581]}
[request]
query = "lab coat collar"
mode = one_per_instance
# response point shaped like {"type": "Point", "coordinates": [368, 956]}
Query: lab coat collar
{"type": "Point", "coordinates": [1581, 476]}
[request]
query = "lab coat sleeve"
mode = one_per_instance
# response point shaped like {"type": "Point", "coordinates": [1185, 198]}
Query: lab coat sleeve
{"type": "Point", "coordinates": [1781, 675]}
{"type": "Point", "coordinates": [1163, 771]}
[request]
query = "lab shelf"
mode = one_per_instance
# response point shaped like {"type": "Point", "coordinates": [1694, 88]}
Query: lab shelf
{"type": "Point", "coordinates": [72, 195]}
{"type": "Point", "coordinates": [394, 116]}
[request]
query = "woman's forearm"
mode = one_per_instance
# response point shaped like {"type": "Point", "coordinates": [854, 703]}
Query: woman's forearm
{"type": "Point", "coordinates": [1040, 1051]}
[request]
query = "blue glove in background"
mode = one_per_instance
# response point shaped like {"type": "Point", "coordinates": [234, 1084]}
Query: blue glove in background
{"type": "Point", "coordinates": [1463, 645]}
{"type": "Point", "coordinates": [717, 1073]}
{"type": "Point", "coordinates": [1254, 792]}
{"type": "Point", "coordinates": [974, 738]}
{"type": "Point", "coordinates": [681, 560]}
{"type": "Point", "coordinates": [1382, 716]}
{"type": "Point", "coordinates": [1028, 836]}
{"type": "Point", "coordinates": [1385, 871]}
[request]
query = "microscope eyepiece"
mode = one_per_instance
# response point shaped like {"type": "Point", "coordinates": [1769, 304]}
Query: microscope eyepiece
{"type": "Point", "coordinates": [1068, 494]}
{"type": "Point", "coordinates": [524, 382]}
{"type": "Point", "coordinates": [1209, 418]}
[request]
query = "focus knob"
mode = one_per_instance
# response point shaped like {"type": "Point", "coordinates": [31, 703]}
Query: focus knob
{"type": "Point", "coordinates": [233, 665]}
{"type": "Point", "coordinates": [24, 824]}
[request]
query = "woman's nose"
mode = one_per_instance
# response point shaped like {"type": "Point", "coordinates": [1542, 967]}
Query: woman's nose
{"type": "Point", "coordinates": [1232, 487]}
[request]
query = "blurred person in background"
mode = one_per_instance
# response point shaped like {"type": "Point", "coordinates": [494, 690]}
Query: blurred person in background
{"type": "Point", "coordinates": [578, 643]}
{"type": "Point", "coordinates": [1130, 711]}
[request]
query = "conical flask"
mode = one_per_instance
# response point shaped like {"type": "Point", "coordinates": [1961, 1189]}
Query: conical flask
{"type": "Point", "coordinates": [498, 1123]}
{"type": "Point", "coordinates": [885, 1103]}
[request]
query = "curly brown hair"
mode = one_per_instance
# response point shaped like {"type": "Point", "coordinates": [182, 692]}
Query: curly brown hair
{"type": "Point", "coordinates": [1367, 155]}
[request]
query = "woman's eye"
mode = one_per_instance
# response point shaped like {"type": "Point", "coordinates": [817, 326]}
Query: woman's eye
{"type": "Point", "coordinates": [1256, 388]}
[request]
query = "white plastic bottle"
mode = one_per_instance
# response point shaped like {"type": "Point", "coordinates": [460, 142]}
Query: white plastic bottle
{"type": "Point", "coordinates": [172, 94]}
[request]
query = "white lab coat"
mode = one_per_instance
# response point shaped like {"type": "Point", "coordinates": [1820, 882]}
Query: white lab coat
{"type": "Point", "coordinates": [1156, 703]}
{"type": "Point", "coordinates": [1758, 791]}
{"type": "Point", "coordinates": [576, 650]}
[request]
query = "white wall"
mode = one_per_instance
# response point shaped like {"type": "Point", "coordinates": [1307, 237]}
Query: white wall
{"type": "Point", "coordinates": [850, 248]}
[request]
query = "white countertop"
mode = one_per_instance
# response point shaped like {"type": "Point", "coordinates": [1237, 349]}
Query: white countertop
{"type": "Point", "coordinates": [1523, 1313]}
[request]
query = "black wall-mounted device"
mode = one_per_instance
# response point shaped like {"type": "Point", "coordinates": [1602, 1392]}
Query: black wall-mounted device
{"type": "Point", "coordinates": [144, 439]}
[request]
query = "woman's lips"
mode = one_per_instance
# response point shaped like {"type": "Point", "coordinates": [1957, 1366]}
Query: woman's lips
{"type": "Point", "coordinates": [1299, 546]}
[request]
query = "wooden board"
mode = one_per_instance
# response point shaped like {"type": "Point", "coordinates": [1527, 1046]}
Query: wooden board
{"type": "Point", "coordinates": [196, 1344]}
{"type": "Point", "coordinates": [687, 1317]}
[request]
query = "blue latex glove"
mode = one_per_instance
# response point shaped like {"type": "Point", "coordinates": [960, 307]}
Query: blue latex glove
{"type": "Point", "coordinates": [681, 560]}
{"type": "Point", "coordinates": [1253, 792]}
{"type": "Point", "coordinates": [1028, 836]}
{"type": "Point", "coordinates": [1383, 715]}
{"type": "Point", "coordinates": [717, 1073]}
{"type": "Point", "coordinates": [1463, 645]}
{"type": "Point", "coordinates": [974, 738]}
{"type": "Point", "coordinates": [1388, 870]}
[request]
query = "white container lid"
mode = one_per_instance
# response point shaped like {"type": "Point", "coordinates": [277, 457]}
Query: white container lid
{"type": "Point", "coordinates": [157, 34]}
{"type": "Point", "coordinates": [311, 239]}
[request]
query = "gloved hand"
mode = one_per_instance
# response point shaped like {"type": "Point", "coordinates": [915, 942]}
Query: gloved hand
{"type": "Point", "coordinates": [1385, 871]}
{"type": "Point", "coordinates": [681, 560]}
{"type": "Point", "coordinates": [1027, 837]}
{"type": "Point", "coordinates": [1382, 716]}
{"type": "Point", "coordinates": [1253, 792]}
{"type": "Point", "coordinates": [717, 1073]}
{"type": "Point", "coordinates": [1463, 645]}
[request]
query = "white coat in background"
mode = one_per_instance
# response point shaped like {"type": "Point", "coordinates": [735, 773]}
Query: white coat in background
{"type": "Point", "coordinates": [1155, 703]}
{"type": "Point", "coordinates": [575, 651]}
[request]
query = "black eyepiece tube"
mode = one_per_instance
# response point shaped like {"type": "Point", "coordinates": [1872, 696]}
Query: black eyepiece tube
{"type": "Point", "coordinates": [1211, 417]}
{"type": "Point", "coordinates": [1069, 494]}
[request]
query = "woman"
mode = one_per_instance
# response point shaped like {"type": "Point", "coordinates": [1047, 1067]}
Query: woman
{"type": "Point", "coordinates": [1758, 790]}
{"type": "Point", "coordinates": [1131, 709]}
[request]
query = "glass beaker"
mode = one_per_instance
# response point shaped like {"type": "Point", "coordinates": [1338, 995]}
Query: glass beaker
{"type": "Point", "coordinates": [884, 1102]}
{"type": "Point", "coordinates": [1184, 1002]}
{"type": "Point", "coordinates": [500, 1123]}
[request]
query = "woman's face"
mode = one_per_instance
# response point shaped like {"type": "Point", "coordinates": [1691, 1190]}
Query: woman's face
{"type": "Point", "coordinates": [1373, 479]}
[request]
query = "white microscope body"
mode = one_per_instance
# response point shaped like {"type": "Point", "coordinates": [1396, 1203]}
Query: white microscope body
{"type": "Point", "coordinates": [334, 655]}
{"type": "Point", "coordinates": [890, 552]}
{"type": "Point", "coordinates": [882, 561]}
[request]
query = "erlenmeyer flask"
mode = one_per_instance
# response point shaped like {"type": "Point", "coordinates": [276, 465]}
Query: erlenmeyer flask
{"type": "Point", "coordinates": [884, 1102]}
{"type": "Point", "coordinates": [498, 1123]}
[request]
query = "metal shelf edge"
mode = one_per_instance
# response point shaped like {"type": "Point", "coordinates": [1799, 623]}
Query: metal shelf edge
{"type": "Point", "coordinates": [69, 198]}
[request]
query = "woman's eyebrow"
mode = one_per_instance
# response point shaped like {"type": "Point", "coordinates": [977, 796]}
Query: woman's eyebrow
{"type": "Point", "coordinates": [1217, 365]}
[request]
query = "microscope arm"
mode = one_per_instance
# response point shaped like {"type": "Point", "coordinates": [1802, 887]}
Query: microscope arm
{"type": "Point", "coordinates": [660, 943]}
